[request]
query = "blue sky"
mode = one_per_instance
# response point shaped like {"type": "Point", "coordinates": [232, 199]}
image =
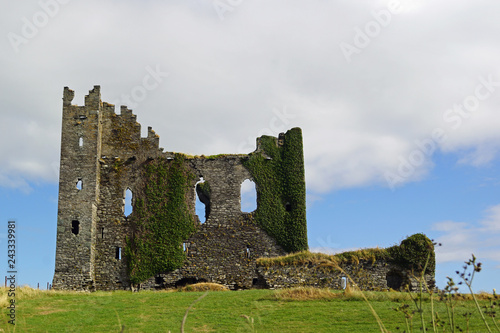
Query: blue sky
{"type": "Point", "coordinates": [398, 102]}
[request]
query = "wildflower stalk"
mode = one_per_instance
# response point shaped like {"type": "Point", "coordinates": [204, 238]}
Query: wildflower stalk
{"type": "Point", "coordinates": [450, 309]}
{"type": "Point", "coordinates": [468, 282]}
{"type": "Point", "coordinates": [419, 300]}
{"type": "Point", "coordinates": [492, 313]}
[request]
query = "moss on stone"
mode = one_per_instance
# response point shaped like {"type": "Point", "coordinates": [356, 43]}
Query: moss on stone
{"type": "Point", "coordinates": [411, 254]}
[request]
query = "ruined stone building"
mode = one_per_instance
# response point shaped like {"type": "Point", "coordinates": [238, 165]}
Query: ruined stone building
{"type": "Point", "coordinates": [161, 243]}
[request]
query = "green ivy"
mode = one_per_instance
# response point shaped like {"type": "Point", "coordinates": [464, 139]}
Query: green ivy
{"type": "Point", "coordinates": [413, 252]}
{"type": "Point", "coordinates": [281, 191]}
{"type": "Point", "coordinates": [161, 220]}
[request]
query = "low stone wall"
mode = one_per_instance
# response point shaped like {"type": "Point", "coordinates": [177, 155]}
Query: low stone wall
{"type": "Point", "coordinates": [367, 275]}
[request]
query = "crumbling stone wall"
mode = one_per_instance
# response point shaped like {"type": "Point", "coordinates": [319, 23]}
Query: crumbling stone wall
{"type": "Point", "coordinates": [367, 275]}
{"type": "Point", "coordinates": [100, 248]}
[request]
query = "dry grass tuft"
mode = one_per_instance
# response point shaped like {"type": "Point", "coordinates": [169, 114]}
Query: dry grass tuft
{"type": "Point", "coordinates": [354, 293]}
{"type": "Point", "coordinates": [205, 286]}
{"type": "Point", "coordinates": [483, 295]}
{"type": "Point", "coordinates": [305, 294]}
{"type": "Point", "coordinates": [4, 299]}
{"type": "Point", "coordinates": [325, 260]}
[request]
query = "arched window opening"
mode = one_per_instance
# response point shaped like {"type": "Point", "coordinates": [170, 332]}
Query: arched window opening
{"type": "Point", "coordinates": [127, 210]}
{"type": "Point", "coordinates": [80, 142]}
{"type": "Point", "coordinates": [248, 196]}
{"type": "Point", "coordinates": [202, 208]}
{"type": "Point", "coordinates": [75, 227]}
{"type": "Point", "coordinates": [288, 207]}
{"type": "Point", "coordinates": [343, 282]}
{"type": "Point", "coordinates": [79, 184]}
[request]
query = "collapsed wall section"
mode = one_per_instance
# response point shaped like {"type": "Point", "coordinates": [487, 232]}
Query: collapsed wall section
{"type": "Point", "coordinates": [399, 267]}
{"type": "Point", "coordinates": [366, 275]}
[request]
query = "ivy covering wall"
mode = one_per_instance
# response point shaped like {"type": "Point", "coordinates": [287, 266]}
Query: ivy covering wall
{"type": "Point", "coordinates": [414, 253]}
{"type": "Point", "coordinates": [160, 220]}
{"type": "Point", "coordinates": [281, 190]}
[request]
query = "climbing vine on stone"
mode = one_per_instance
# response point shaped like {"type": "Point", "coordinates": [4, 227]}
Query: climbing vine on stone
{"type": "Point", "coordinates": [161, 220]}
{"type": "Point", "coordinates": [413, 252]}
{"type": "Point", "coordinates": [281, 190]}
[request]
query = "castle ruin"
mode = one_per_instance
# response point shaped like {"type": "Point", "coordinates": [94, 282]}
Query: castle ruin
{"type": "Point", "coordinates": [161, 243]}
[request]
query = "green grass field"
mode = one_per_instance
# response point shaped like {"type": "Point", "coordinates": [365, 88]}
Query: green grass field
{"type": "Point", "coordinates": [222, 311]}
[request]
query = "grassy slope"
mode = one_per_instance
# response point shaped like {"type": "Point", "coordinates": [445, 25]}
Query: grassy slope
{"type": "Point", "coordinates": [218, 312]}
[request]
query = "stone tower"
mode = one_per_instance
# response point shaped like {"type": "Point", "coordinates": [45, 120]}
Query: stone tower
{"type": "Point", "coordinates": [78, 191]}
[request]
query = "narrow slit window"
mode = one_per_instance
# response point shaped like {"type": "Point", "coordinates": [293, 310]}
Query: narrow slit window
{"type": "Point", "coordinates": [343, 282]}
{"type": "Point", "coordinates": [79, 184]}
{"type": "Point", "coordinates": [118, 255]}
{"type": "Point", "coordinates": [102, 233]}
{"type": "Point", "coordinates": [202, 205]}
{"type": "Point", "coordinates": [80, 141]}
{"type": "Point", "coordinates": [185, 246]}
{"type": "Point", "coordinates": [248, 252]}
{"type": "Point", "coordinates": [75, 227]}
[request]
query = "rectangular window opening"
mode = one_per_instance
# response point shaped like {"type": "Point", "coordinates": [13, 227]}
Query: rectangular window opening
{"type": "Point", "coordinates": [102, 233]}
{"type": "Point", "coordinates": [80, 141]}
{"type": "Point", "coordinates": [75, 227]}
{"type": "Point", "coordinates": [118, 255]}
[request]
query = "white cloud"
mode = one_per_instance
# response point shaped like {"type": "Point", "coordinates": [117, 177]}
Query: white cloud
{"type": "Point", "coordinates": [460, 239]}
{"type": "Point", "coordinates": [491, 224]}
{"type": "Point", "coordinates": [226, 78]}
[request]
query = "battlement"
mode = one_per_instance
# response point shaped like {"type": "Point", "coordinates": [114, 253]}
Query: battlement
{"type": "Point", "coordinates": [115, 128]}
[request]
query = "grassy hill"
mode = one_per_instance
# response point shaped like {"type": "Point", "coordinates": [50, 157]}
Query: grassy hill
{"type": "Point", "coordinates": [299, 310]}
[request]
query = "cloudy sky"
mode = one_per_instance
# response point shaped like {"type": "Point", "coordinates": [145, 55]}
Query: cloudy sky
{"type": "Point", "coordinates": [398, 102]}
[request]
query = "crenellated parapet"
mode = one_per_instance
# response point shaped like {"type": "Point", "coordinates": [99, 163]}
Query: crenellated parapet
{"type": "Point", "coordinates": [93, 99]}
